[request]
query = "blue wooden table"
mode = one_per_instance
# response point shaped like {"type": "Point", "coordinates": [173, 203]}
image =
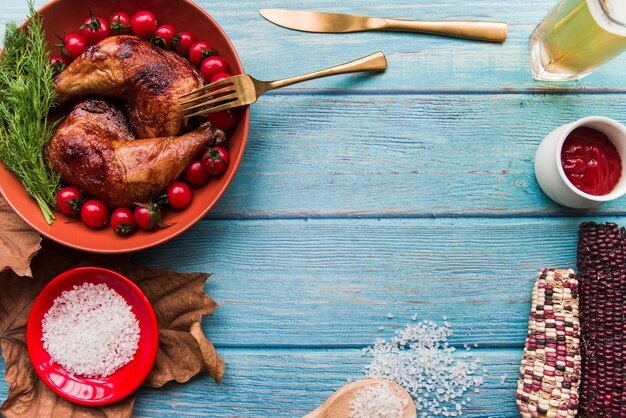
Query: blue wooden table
{"type": "Point", "coordinates": [410, 192]}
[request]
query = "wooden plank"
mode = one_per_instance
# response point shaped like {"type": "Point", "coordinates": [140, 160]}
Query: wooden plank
{"type": "Point", "coordinates": [288, 383]}
{"type": "Point", "coordinates": [416, 62]}
{"type": "Point", "coordinates": [320, 283]}
{"type": "Point", "coordinates": [408, 155]}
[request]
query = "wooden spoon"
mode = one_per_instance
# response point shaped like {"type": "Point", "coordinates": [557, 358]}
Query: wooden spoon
{"type": "Point", "coordinates": [338, 405]}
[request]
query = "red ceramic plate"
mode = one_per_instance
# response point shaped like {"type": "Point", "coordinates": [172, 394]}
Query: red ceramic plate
{"type": "Point", "coordinates": [90, 391]}
{"type": "Point", "coordinates": [65, 16]}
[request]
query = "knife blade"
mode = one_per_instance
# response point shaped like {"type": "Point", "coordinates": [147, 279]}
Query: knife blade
{"type": "Point", "coordinates": [344, 23]}
{"type": "Point", "coordinates": [317, 21]}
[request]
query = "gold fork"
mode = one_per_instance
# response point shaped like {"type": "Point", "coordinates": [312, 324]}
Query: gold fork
{"type": "Point", "coordinates": [241, 90]}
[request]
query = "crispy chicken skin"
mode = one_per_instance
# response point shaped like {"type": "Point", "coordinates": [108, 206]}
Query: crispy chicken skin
{"type": "Point", "coordinates": [147, 78]}
{"type": "Point", "coordinates": [94, 150]}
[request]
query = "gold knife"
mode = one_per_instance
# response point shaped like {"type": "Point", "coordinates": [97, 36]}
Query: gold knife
{"type": "Point", "coordinates": [343, 23]}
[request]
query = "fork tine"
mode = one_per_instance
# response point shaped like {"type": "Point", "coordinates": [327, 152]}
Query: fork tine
{"type": "Point", "coordinates": [222, 82]}
{"type": "Point", "coordinates": [208, 96]}
{"type": "Point", "coordinates": [213, 102]}
{"type": "Point", "coordinates": [225, 106]}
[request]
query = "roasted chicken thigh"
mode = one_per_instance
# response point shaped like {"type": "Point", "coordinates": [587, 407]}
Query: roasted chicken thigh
{"type": "Point", "coordinates": [95, 150]}
{"type": "Point", "coordinates": [147, 78]}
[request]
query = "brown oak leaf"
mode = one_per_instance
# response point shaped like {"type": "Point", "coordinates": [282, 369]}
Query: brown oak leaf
{"type": "Point", "coordinates": [18, 242]}
{"type": "Point", "coordinates": [179, 303]}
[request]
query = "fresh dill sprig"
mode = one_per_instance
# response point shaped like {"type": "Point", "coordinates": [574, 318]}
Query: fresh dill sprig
{"type": "Point", "coordinates": [26, 96]}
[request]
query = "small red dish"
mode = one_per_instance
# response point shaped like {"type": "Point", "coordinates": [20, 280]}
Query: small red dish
{"type": "Point", "coordinates": [94, 391]}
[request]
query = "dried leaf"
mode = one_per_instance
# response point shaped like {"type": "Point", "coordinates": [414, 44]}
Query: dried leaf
{"type": "Point", "coordinates": [179, 303]}
{"type": "Point", "coordinates": [213, 363]}
{"type": "Point", "coordinates": [18, 242]}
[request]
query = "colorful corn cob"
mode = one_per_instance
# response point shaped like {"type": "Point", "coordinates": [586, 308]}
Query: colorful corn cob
{"type": "Point", "coordinates": [550, 370]}
{"type": "Point", "coordinates": [602, 275]}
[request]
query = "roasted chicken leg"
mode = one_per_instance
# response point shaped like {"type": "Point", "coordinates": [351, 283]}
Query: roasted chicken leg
{"type": "Point", "coordinates": [94, 150]}
{"type": "Point", "coordinates": [147, 78]}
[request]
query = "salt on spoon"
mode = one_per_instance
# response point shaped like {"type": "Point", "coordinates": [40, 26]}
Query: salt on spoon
{"type": "Point", "coordinates": [344, 403]}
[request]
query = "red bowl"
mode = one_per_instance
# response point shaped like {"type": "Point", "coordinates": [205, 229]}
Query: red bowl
{"type": "Point", "coordinates": [93, 391]}
{"type": "Point", "coordinates": [65, 16]}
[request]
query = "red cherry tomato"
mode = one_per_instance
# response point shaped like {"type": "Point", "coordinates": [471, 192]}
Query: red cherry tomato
{"type": "Point", "coordinates": [215, 160]}
{"type": "Point", "coordinates": [179, 194]}
{"type": "Point", "coordinates": [72, 45]}
{"type": "Point", "coordinates": [216, 78]}
{"type": "Point", "coordinates": [199, 51]}
{"type": "Point", "coordinates": [94, 29]}
{"type": "Point", "coordinates": [123, 221]}
{"type": "Point", "coordinates": [57, 63]}
{"type": "Point", "coordinates": [223, 119]}
{"type": "Point", "coordinates": [120, 24]}
{"type": "Point", "coordinates": [213, 66]}
{"type": "Point", "coordinates": [183, 41]}
{"type": "Point", "coordinates": [94, 213]}
{"type": "Point", "coordinates": [148, 216]}
{"type": "Point", "coordinates": [144, 24]}
{"type": "Point", "coordinates": [164, 36]}
{"type": "Point", "coordinates": [69, 200]}
{"type": "Point", "coordinates": [195, 174]}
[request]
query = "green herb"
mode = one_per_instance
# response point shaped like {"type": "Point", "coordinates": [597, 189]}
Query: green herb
{"type": "Point", "coordinates": [26, 96]}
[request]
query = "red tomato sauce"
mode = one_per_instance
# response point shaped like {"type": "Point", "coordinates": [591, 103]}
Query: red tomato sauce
{"type": "Point", "coordinates": [591, 161]}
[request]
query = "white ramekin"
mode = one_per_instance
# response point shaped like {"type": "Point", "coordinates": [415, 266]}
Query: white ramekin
{"type": "Point", "coordinates": [549, 171]}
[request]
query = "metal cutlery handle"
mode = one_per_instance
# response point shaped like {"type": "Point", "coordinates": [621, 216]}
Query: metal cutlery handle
{"type": "Point", "coordinates": [372, 62]}
{"type": "Point", "coordinates": [483, 31]}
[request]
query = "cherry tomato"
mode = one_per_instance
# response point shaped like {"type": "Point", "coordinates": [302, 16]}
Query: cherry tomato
{"type": "Point", "coordinates": [215, 160]}
{"type": "Point", "coordinates": [94, 213]}
{"type": "Point", "coordinates": [69, 200]}
{"type": "Point", "coordinates": [164, 36]}
{"type": "Point", "coordinates": [72, 45]}
{"type": "Point", "coordinates": [144, 24]}
{"type": "Point", "coordinates": [216, 78]}
{"type": "Point", "coordinates": [213, 66]}
{"type": "Point", "coordinates": [123, 221]}
{"type": "Point", "coordinates": [223, 119]}
{"type": "Point", "coordinates": [195, 174]}
{"type": "Point", "coordinates": [199, 51]}
{"type": "Point", "coordinates": [179, 194]}
{"type": "Point", "coordinates": [57, 63]}
{"type": "Point", "coordinates": [183, 41]}
{"type": "Point", "coordinates": [94, 29]}
{"type": "Point", "coordinates": [120, 24]}
{"type": "Point", "coordinates": [148, 216]}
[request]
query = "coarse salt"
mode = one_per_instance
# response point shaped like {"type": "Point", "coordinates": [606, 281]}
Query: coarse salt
{"type": "Point", "coordinates": [419, 359]}
{"type": "Point", "coordinates": [377, 401]}
{"type": "Point", "coordinates": [90, 331]}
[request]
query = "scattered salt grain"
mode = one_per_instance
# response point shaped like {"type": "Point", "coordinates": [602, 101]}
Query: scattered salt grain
{"type": "Point", "coordinates": [389, 315]}
{"type": "Point", "coordinates": [381, 328]}
{"type": "Point", "coordinates": [420, 359]}
{"type": "Point", "coordinates": [378, 401]}
{"type": "Point", "coordinates": [90, 331]}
